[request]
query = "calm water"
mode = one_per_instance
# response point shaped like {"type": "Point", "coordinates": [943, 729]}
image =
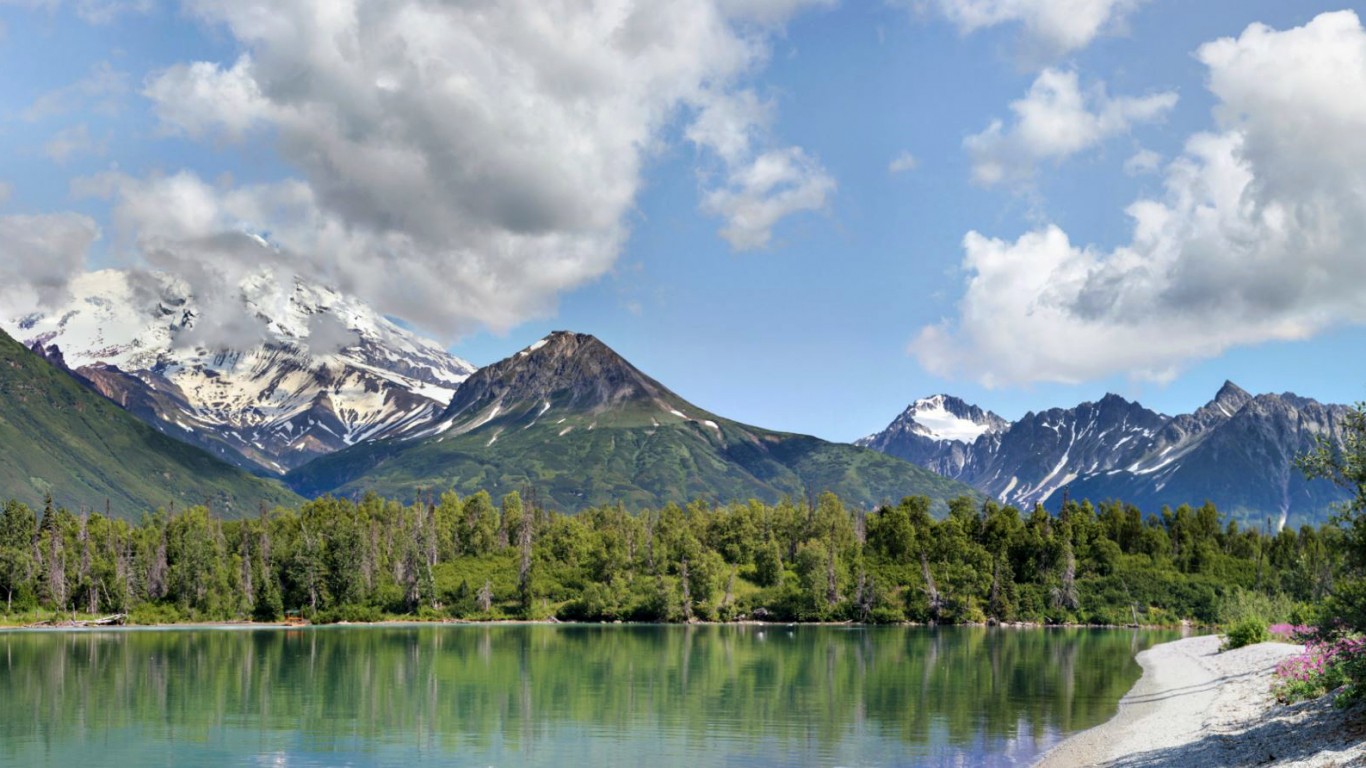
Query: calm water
{"type": "Point", "coordinates": [645, 697]}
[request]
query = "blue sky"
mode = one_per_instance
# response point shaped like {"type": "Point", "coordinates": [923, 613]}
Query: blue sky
{"type": "Point", "coordinates": [159, 123]}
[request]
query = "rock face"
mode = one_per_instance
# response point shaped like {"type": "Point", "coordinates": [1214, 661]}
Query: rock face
{"type": "Point", "coordinates": [328, 371]}
{"type": "Point", "coordinates": [567, 372]}
{"type": "Point", "coordinates": [1237, 451]}
{"type": "Point", "coordinates": [572, 419]}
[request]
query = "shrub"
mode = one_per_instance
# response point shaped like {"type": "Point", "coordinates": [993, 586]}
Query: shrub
{"type": "Point", "coordinates": [150, 614]}
{"type": "Point", "coordinates": [1240, 605]}
{"type": "Point", "coordinates": [1249, 631]}
{"type": "Point", "coordinates": [886, 614]}
{"type": "Point", "coordinates": [1324, 666]}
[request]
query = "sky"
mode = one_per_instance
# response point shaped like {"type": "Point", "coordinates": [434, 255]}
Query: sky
{"type": "Point", "coordinates": [800, 214]}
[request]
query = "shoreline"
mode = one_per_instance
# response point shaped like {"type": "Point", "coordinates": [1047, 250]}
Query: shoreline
{"type": "Point", "coordinates": [1197, 706]}
{"type": "Point", "coordinates": [1183, 628]}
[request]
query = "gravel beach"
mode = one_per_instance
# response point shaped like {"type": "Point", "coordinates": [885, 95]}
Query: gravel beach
{"type": "Point", "coordinates": [1195, 706]}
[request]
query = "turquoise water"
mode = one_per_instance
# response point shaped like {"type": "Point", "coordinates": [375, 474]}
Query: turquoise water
{"type": "Point", "coordinates": [475, 695]}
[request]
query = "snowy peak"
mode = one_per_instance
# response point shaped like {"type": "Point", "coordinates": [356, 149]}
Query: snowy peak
{"type": "Point", "coordinates": [947, 418]}
{"type": "Point", "coordinates": [315, 370]}
{"type": "Point", "coordinates": [942, 433]}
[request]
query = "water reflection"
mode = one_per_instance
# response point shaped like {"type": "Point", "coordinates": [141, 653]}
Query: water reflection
{"type": "Point", "coordinates": [557, 695]}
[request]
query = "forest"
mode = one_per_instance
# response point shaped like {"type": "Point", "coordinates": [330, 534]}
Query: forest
{"type": "Point", "coordinates": [804, 560]}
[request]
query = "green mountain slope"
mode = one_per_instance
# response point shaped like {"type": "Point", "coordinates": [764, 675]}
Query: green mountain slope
{"type": "Point", "coordinates": [57, 436]}
{"type": "Point", "coordinates": [572, 419]}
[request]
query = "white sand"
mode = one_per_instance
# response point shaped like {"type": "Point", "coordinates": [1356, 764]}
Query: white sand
{"type": "Point", "coordinates": [1195, 706]}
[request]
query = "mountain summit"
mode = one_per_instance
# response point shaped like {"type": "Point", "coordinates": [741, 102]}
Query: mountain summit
{"type": "Point", "coordinates": [572, 418]}
{"type": "Point", "coordinates": [570, 371]}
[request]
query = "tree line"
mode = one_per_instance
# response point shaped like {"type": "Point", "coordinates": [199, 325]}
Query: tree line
{"type": "Point", "coordinates": [797, 560]}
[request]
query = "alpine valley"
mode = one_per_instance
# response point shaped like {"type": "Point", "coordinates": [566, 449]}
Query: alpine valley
{"type": "Point", "coordinates": [1237, 451]}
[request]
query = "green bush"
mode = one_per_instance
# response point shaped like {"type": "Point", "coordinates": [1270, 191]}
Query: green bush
{"type": "Point", "coordinates": [1249, 631]}
{"type": "Point", "coordinates": [149, 614]}
{"type": "Point", "coordinates": [1240, 605]}
{"type": "Point", "coordinates": [887, 614]}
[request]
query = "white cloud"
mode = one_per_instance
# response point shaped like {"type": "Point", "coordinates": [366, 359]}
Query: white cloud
{"type": "Point", "coordinates": [761, 184]}
{"type": "Point", "coordinates": [102, 90]}
{"type": "Point", "coordinates": [202, 98]}
{"type": "Point", "coordinates": [902, 163]}
{"type": "Point", "coordinates": [474, 160]}
{"type": "Point", "coordinates": [775, 185]}
{"type": "Point", "coordinates": [72, 142]}
{"type": "Point", "coordinates": [1258, 236]}
{"type": "Point", "coordinates": [731, 124]}
{"type": "Point", "coordinates": [1054, 121]}
{"type": "Point", "coordinates": [1051, 27]}
{"type": "Point", "coordinates": [39, 255]}
{"type": "Point", "coordinates": [1143, 162]}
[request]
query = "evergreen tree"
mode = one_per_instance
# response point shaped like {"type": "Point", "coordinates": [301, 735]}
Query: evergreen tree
{"type": "Point", "coordinates": [18, 530]}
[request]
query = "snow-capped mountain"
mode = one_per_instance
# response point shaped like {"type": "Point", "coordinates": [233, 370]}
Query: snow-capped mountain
{"type": "Point", "coordinates": [936, 432]}
{"type": "Point", "coordinates": [328, 372]}
{"type": "Point", "coordinates": [1237, 451]}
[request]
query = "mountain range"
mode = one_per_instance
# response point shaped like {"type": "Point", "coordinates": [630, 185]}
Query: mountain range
{"type": "Point", "coordinates": [1237, 451]}
{"type": "Point", "coordinates": [330, 372]}
{"type": "Point", "coordinates": [335, 398]}
{"type": "Point", "coordinates": [59, 438]}
{"type": "Point", "coordinates": [573, 419]}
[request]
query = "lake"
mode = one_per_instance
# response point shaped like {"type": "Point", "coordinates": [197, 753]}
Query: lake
{"type": "Point", "coordinates": [566, 695]}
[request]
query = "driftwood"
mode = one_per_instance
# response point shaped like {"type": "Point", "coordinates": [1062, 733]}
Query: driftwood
{"type": "Point", "coordinates": [116, 620]}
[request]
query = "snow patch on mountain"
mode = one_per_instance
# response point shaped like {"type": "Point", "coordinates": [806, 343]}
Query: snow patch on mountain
{"type": "Point", "coordinates": [940, 423]}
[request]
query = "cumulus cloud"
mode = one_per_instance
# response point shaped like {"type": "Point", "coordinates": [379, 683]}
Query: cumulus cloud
{"type": "Point", "coordinates": [328, 334]}
{"type": "Point", "coordinates": [1054, 121]}
{"type": "Point", "coordinates": [759, 185]}
{"type": "Point", "coordinates": [1258, 235]}
{"type": "Point", "coordinates": [202, 99]}
{"type": "Point", "coordinates": [756, 195]}
{"type": "Point", "coordinates": [1051, 27]}
{"type": "Point", "coordinates": [462, 164]}
{"type": "Point", "coordinates": [39, 255]}
{"type": "Point", "coordinates": [1143, 162]}
{"type": "Point", "coordinates": [902, 163]}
